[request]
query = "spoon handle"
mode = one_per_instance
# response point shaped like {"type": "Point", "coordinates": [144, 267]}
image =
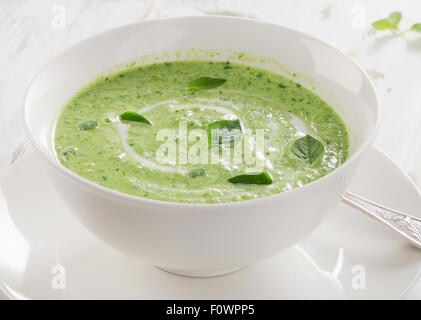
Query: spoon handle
{"type": "Point", "coordinates": [407, 226]}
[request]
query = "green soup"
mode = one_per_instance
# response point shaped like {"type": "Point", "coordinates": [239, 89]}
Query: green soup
{"type": "Point", "coordinates": [147, 132]}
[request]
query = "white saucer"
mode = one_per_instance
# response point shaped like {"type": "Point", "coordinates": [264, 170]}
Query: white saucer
{"type": "Point", "coordinates": [37, 233]}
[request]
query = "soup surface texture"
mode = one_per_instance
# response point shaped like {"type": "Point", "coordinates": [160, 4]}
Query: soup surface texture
{"type": "Point", "coordinates": [138, 132]}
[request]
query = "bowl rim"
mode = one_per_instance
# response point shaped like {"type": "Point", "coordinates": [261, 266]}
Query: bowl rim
{"type": "Point", "coordinates": [161, 203]}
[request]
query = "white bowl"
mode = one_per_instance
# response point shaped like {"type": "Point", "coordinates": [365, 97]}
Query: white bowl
{"type": "Point", "coordinates": [203, 239]}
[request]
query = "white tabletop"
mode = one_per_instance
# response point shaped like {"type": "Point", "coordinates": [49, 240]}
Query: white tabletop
{"type": "Point", "coordinates": [33, 31]}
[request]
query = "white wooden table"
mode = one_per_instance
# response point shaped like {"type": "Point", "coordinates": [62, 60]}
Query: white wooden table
{"type": "Point", "coordinates": [33, 31]}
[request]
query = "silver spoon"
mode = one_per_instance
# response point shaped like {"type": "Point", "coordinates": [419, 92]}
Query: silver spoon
{"type": "Point", "coordinates": [405, 225]}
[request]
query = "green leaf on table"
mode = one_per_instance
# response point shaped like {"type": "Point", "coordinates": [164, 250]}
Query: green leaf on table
{"type": "Point", "coordinates": [416, 27]}
{"type": "Point", "coordinates": [205, 83]}
{"type": "Point", "coordinates": [228, 129]}
{"type": "Point", "coordinates": [134, 116]}
{"type": "Point", "coordinates": [88, 125]}
{"type": "Point", "coordinates": [391, 22]}
{"type": "Point", "coordinates": [307, 148]}
{"type": "Point", "coordinates": [262, 178]}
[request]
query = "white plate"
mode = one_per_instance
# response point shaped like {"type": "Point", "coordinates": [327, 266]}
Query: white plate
{"type": "Point", "coordinates": [43, 249]}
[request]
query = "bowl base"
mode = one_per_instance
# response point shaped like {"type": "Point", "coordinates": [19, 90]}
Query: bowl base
{"type": "Point", "coordinates": [201, 273]}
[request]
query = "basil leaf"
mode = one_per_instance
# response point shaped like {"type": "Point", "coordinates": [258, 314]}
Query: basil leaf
{"type": "Point", "coordinates": [252, 178]}
{"type": "Point", "coordinates": [197, 173]}
{"type": "Point", "coordinates": [133, 116]}
{"type": "Point", "coordinates": [416, 27]}
{"type": "Point", "coordinates": [395, 18]}
{"type": "Point", "coordinates": [307, 148]}
{"type": "Point", "coordinates": [205, 83]}
{"type": "Point", "coordinates": [391, 22]}
{"type": "Point", "coordinates": [224, 128]}
{"type": "Point", "coordinates": [88, 125]}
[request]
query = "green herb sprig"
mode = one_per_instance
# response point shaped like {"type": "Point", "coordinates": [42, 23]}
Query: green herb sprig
{"type": "Point", "coordinates": [392, 23]}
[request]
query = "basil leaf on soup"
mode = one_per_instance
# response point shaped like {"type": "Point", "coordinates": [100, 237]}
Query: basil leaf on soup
{"type": "Point", "coordinates": [198, 173]}
{"type": "Point", "coordinates": [229, 129]}
{"type": "Point", "coordinates": [89, 125]}
{"type": "Point", "coordinates": [205, 83]}
{"type": "Point", "coordinates": [262, 178]}
{"type": "Point", "coordinates": [134, 116]}
{"type": "Point", "coordinates": [307, 148]}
